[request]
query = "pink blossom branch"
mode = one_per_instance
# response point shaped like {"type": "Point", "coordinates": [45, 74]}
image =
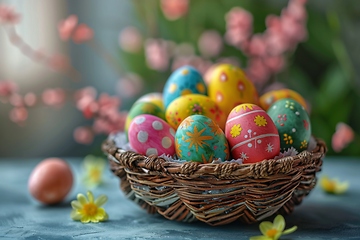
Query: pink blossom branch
{"type": "Point", "coordinates": [56, 62]}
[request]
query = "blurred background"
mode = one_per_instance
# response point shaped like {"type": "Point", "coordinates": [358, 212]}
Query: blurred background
{"type": "Point", "coordinates": [69, 70]}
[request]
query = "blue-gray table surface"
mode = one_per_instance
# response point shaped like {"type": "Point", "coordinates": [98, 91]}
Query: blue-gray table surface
{"type": "Point", "coordinates": [320, 216]}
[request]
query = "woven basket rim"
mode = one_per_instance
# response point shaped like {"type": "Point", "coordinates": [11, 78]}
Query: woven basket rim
{"type": "Point", "coordinates": [155, 165]}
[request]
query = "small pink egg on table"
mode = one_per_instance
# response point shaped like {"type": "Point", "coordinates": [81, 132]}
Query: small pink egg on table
{"type": "Point", "coordinates": [50, 181]}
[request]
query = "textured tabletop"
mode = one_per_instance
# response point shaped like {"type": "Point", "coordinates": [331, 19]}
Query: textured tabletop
{"type": "Point", "coordinates": [320, 216]}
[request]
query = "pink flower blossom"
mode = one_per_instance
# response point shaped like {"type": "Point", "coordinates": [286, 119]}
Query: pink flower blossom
{"type": "Point", "coordinates": [275, 64]}
{"type": "Point", "coordinates": [83, 135]}
{"type": "Point", "coordinates": [257, 71]}
{"type": "Point", "coordinates": [67, 27]}
{"type": "Point", "coordinates": [130, 85]}
{"type": "Point", "coordinates": [107, 104]}
{"type": "Point", "coordinates": [79, 33]}
{"type": "Point", "coordinates": [342, 137]}
{"type": "Point", "coordinates": [8, 15]}
{"type": "Point", "coordinates": [238, 26]}
{"type": "Point", "coordinates": [18, 115]}
{"type": "Point", "coordinates": [113, 123]}
{"type": "Point", "coordinates": [130, 40]}
{"type": "Point", "coordinates": [7, 88]}
{"type": "Point", "coordinates": [257, 46]}
{"type": "Point", "coordinates": [53, 96]}
{"type": "Point", "coordinates": [85, 99]}
{"type": "Point", "coordinates": [174, 9]}
{"type": "Point", "coordinates": [82, 33]}
{"type": "Point", "coordinates": [210, 43]}
{"type": "Point", "coordinates": [276, 42]}
{"type": "Point", "coordinates": [157, 54]}
{"type": "Point", "coordinates": [16, 100]}
{"type": "Point", "coordinates": [296, 9]}
{"type": "Point", "coordinates": [30, 99]}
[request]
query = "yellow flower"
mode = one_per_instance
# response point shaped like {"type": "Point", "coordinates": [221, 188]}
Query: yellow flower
{"type": "Point", "coordinates": [273, 231]}
{"type": "Point", "coordinates": [260, 121]}
{"type": "Point", "coordinates": [235, 130]}
{"type": "Point", "coordinates": [288, 139]}
{"type": "Point", "coordinates": [94, 168]}
{"type": "Point", "coordinates": [197, 139]}
{"type": "Point", "coordinates": [333, 186]}
{"type": "Point", "coordinates": [88, 210]}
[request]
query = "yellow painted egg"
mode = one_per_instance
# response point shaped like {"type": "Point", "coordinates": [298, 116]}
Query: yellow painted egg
{"type": "Point", "coordinates": [267, 99]}
{"type": "Point", "coordinates": [153, 97]}
{"type": "Point", "coordinates": [193, 104]}
{"type": "Point", "coordinates": [228, 86]}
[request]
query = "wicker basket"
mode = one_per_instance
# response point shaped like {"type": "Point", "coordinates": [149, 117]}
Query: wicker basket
{"type": "Point", "coordinates": [216, 194]}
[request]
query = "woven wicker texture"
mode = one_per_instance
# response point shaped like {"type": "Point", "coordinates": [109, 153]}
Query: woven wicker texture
{"type": "Point", "coordinates": [216, 194]}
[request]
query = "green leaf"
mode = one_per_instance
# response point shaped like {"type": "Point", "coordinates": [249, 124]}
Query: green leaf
{"type": "Point", "coordinates": [334, 85]}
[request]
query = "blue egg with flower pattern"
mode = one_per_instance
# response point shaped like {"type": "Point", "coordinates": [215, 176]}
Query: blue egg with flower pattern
{"type": "Point", "coordinates": [185, 80]}
{"type": "Point", "coordinates": [199, 139]}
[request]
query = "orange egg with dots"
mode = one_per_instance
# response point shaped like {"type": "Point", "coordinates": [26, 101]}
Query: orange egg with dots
{"type": "Point", "coordinates": [269, 98]}
{"type": "Point", "coordinates": [228, 86]}
{"type": "Point", "coordinates": [50, 181]}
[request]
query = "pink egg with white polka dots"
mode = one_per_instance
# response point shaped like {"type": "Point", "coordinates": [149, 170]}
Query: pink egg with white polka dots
{"type": "Point", "coordinates": [149, 135]}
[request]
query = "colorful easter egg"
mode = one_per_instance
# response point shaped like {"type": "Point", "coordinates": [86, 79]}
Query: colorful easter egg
{"type": "Point", "coordinates": [154, 97]}
{"type": "Point", "coordinates": [149, 135]}
{"type": "Point", "coordinates": [228, 86]}
{"type": "Point", "coordinates": [193, 104]}
{"type": "Point", "coordinates": [143, 108]}
{"type": "Point", "coordinates": [292, 122]}
{"type": "Point", "coordinates": [251, 134]}
{"type": "Point", "coordinates": [185, 80]}
{"type": "Point", "coordinates": [267, 99]}
{"type": "Point", "coordinates": [200, 139]}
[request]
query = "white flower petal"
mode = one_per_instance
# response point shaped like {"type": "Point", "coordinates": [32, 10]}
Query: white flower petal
{"type": "Point", "coordinates": [279, 223]}
{"type": "Point", "coordinates": [76, 205]}
{"type": "Point", "coordinates": [75, 215]}
{"type": "Point", "coordinates": [90, 196]}
{"type": "Point", "coordinates": [82, 199]}
{"type": "Point", "coordinates": [101, 200]}
{"type": "Point", "coordinates": [265, 226]}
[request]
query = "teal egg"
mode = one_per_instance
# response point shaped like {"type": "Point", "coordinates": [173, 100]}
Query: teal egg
{"type": "Point", "coordinates": [184, 80]}
{"type": "Point", "coordinates": [292, 122]}
{"type": "Point", "coordinates": [199, 139]}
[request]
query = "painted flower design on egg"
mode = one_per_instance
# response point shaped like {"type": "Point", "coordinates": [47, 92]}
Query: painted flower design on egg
{"type": "Point", "coordinates": [251, 134]}
{"type": "Point", "coordinates": [292, 122]}
{"type": "Point", "coordinates": [197, 139]}
{"type": "Point", "coordinates": [200, 139]}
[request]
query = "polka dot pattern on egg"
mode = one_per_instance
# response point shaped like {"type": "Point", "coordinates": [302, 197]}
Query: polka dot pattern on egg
{"type": "Point", "coordinates": [157, 125]}
{"type": "Point", "coordinates": [149, 135]}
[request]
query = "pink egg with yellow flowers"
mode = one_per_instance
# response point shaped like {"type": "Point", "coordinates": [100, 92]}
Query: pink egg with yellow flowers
{"type": "Point", "coordinates": [149, 135]}
{"type": "Point", "coordinates": [251, 134]}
